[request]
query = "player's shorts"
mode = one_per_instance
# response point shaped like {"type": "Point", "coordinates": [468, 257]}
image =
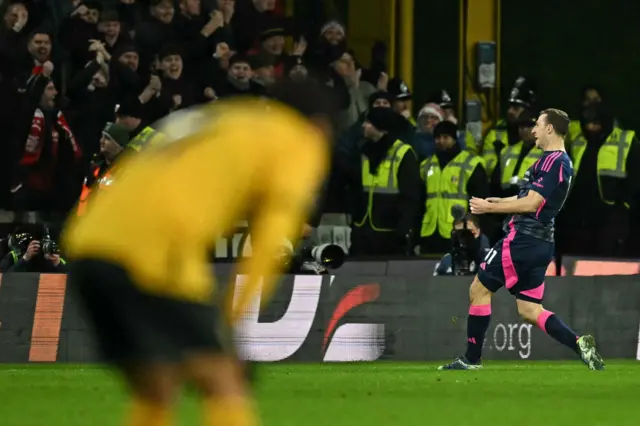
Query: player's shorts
{"type": "Point", "coordinates": [133, 326]}
{"type": "Point", "coordinates": [518, 263]}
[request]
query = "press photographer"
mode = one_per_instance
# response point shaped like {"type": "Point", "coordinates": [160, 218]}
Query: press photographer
{"type": "Point", "coordinates": [469, 246]}
{"type": "Point", "coordinates": [30, 254]}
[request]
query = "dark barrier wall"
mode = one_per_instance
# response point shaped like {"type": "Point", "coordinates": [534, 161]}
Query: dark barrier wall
{"type": "Point", "coordinates": [345, 318]}
{"type": "Point", "coordinates": [563, 45]}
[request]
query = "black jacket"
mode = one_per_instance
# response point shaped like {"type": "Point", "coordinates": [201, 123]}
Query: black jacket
{"type": "Point", "coordinates": [13, 263]}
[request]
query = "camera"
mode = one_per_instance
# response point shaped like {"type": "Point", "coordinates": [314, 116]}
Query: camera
{"type": "Point", "coordinates": [49, 246]}
{"type": "Point", "coordinates": [317, 260]}
{"type": "Point", "coordinates": [19, 241]}
{"type": "Point", "coordinates": [465, 246]}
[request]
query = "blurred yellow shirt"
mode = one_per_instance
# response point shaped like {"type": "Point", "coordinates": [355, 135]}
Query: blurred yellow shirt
{"type": "Point", "coordinates": [169, 204]}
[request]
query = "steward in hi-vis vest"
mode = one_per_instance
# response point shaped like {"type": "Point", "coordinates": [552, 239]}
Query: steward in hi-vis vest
{"type": "Point", "coordinates": [146, 138]}
{"type": "Point", "coordinates": [516, 159]}
{"type": "Point", "coordinates": [450, 178]}
{"type": "Point", "coordinates": [505, 132]}
{"type": "Point", "coordinates": [601, 216]}
{"type": "Point", "coordinates": [387, 195]}
{"type": "Point", "coordinates": [114, 138]}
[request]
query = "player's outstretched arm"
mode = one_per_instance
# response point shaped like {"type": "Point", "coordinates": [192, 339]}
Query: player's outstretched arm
{"type": "Point", "coordinates": [501, 200]}
{"type": "Point", "coordinates": [274, 226]}
{"type": "Point", "coordinates": [528, 204]}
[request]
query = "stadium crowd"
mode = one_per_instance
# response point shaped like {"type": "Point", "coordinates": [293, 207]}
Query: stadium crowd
{"type": "Point", "coordinates": [81, 81]}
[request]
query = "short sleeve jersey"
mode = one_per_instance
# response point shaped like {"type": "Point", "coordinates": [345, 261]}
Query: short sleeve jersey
{"type": "Point", "coordinates": [551, 177]}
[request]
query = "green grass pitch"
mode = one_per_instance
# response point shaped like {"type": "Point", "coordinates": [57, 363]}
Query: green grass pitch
{"type": "Point", "coordinates": [377, 394]}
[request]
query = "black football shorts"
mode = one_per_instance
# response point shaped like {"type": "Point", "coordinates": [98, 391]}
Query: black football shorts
{"type": "Point", "coordinates": [133, 326]}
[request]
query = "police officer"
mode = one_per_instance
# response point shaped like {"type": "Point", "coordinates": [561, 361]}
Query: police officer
{"type": "Point", "coordinates": [601, 215]}
{"type": "Point", "coordinates": [451, 177]}
{"type": "Point", "coordinates": [505, 132]}
{"type": "Point", "coordinates": [115, 138]}
{"type": "Point", "coordinates": [387, 190]}
{"type": "Point", "coordinates": [401, 98]}
{"type": "Point", "coordinates": [516, 159]}
{"type": "Point", "coordinates": [444, 100]}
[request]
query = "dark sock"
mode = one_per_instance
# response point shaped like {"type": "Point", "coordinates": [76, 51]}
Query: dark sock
{"type": "Point", "coordinates": [477, 324]}
{"type": "Point", "coordinates": [554, 327]}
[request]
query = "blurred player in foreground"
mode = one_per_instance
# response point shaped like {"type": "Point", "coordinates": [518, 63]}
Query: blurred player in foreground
{"type": "Point", "coordinates": [140, 253]}
{"type": "Point", "coordinates": [520, 260]}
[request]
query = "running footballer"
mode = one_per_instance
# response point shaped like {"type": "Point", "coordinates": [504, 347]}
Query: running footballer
{"type": "Point", "coordinates": [519, 261]}
{"type": "Point", "coordinates": [140, 253]}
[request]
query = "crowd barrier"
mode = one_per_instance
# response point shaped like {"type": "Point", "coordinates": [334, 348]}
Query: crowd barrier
{"type": "Point", "coordinates": [396, 314]}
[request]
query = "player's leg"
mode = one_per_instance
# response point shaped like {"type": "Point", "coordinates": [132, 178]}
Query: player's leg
{"type": "Point", "coordinates": [585, 346]}
{"type": "Point", "coordinates": [220, 379]}
{"type": "Point", "coordinates": [477, 324]}
{"type": "Point", "coordinates": [490, 279]}
{"type": "Point", "coordinates": [478, 320]}
{"type": "Point", "coordinates": [154, 388]}
{"type": "Point", "coordinates": [209, 363]}
{"type": "Point", "coordinates": [123, 326]}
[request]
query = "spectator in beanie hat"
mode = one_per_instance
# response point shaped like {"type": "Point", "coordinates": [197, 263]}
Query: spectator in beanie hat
{"type": "Point", "coordinates": [111, 30]}
{"type": "Point", "coordinates": [351, 141]}
{"type": "Point", "coordinates": [380, 99]}
{"type": "Point", "coordinates": [333, 33]}
{"type": "Point", "coordinates": [115, 138]}
{"type": "Point", "coordinates": [177, 91]}
{"type": "Point", "coordinates": [428, 118]}
{"type": "Point", "coordinates": [238, 81]}
{"type": "Point", "coordinates": [113, 141]}
{"type": "Point", "coordinates": [127, 54]}
{"type": "Point", "coordinates": [129, 114]}
{"type": "Point", "coordinates": [263, 68]}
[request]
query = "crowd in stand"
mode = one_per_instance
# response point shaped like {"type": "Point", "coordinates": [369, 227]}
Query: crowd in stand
{"type": "Point", "coordinates": [69, 68]}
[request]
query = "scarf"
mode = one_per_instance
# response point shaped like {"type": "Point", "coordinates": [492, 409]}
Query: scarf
{"type": "Point", "coordinates": [36, 138]}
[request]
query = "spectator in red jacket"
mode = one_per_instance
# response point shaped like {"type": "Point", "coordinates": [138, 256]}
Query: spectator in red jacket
{"type": "Point", "coordinates": [47, 178]}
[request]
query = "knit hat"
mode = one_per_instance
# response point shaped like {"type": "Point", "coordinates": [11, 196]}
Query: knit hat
{"type": "Point", "coordinates": [383, 119]}
{"type": "Point", "coordinates": [432, 109]}
{"type": "Point", "coordinates": [335, 25]}
{"type": "Point", "coordinates": [399, 89]}
{"type": "Point", "coordinates": [239, 58]}
{"type": "Point", "coordinates": [92, 5]}
{"type": "Point", "coordinates": [117, 133]}
{"type": "Point", "coordinates": [169, 50]}
{"type": "Point", "coordinates": [446, 128]}
{"type": "Point", "coordinates": [130, 107]}
{"type": "Point", "coordinates": [261, 60]}
{"type": "Point", "coordinates": [380, 94]}
{"type": "Point", "coordinates": [125, 48]}
{"type": "Point", "coordinates": [110, 15]}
